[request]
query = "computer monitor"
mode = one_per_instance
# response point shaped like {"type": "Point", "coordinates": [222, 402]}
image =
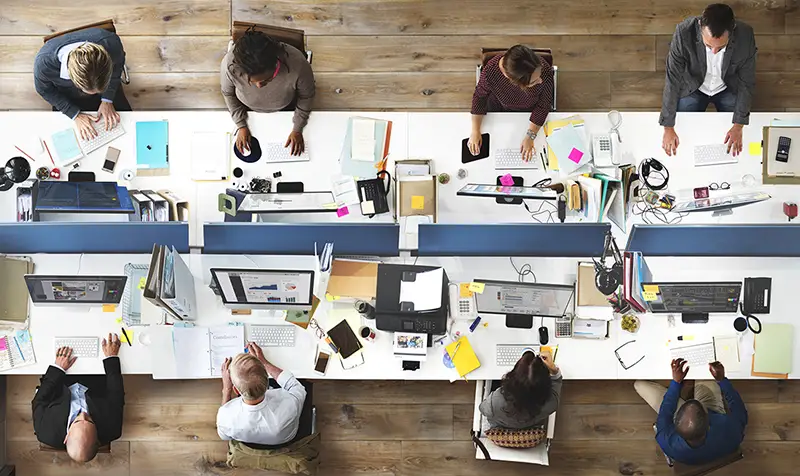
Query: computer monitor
{"type": "Point", "coordinates": [693, 300]}
{"type": "Point", "coordinates": [264, 288]}
{"type": "Point", "coordinates": [520, 302]}
{"type": "Point", "coordinates": [70, 290]}
{"type": "Point", "coordinates": [502, 191]}
{"type": "Point", "coordinates": [81, 197]}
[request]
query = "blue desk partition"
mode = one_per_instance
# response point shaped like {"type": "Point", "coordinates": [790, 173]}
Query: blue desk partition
{"type": "Point", "coordinates": [378, 239]}
{"type": "Point", "coordinates": [62, 237]}
{"type": "Point", "coordinates": [779, 240]}
{"type": "Point", "coordinates": [563, 240]}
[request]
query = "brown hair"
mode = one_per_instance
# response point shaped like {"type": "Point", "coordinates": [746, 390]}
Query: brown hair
{"type": "Point", "coordinates": [519, 63]}
{"type": "Point", "coordinates": [249, 376]}
{"type": "Point", "coordinates": [528, 386]}
{"type": "Point", "coordinates": [90, 67]}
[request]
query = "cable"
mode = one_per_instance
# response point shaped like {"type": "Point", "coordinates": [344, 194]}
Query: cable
{"type": "Point", "coordinates": [524, 270]}
{"type": "Point", "coordinates": [538, 212]}
{"type": "Point", "coordinates": [652, 214]}
{"type": "Point", "coordinates": [80, 260]}
{"type": "Point", "coordinates": [252, 261]}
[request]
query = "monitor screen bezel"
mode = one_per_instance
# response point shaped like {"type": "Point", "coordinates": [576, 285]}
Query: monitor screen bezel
{"type": "Point", "coordinates": [30, 278]}
{"type": "Point", "coordinates": [301, 306]}
{"type": "Point", "coordinates": [699, 284]}
{"type": "Point", "coordinates": [564, 287]}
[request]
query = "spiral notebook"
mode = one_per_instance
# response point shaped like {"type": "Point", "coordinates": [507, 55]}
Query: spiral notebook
{"type": "Point", "coordinates": [200, 351]}
{"type": "Point", "coordinates": [16, 350]}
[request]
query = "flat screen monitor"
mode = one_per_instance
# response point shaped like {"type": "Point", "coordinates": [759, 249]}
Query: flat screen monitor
{"type": "Point", "coordinates": [693, 300]}
{"type": "Point", "coordinates": [521, 301]}
{"type": "Point", "coordinates": [264, 289]}
{"type": "Point", "coordinates": [501, 191]}
{"type": "Point", "coordinates": [77, 197]}
{"type": "Point", "coordinates": [721, 202]}
{"type": "Point", "coordinates": [66, 290]}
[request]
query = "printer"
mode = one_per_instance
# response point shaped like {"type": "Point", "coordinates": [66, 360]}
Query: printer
{"type": "Point", "coordinates": [395, 316]}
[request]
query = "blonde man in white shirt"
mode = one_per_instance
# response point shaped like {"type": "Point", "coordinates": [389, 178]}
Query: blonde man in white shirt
{"type": "Point", "coordinates": [258, 415]}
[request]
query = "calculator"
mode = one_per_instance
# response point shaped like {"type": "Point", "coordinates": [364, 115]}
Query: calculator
{"type": "Point", "coordinates": [564, 327]}
{"type": "Point", "coordinates": [782, 155]}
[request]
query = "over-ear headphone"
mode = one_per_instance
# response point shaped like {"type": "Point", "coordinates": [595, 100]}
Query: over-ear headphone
{"type": "Point", "coordinates": [608, 279]}
{"type": "Point", "coordinates": [652, 166]}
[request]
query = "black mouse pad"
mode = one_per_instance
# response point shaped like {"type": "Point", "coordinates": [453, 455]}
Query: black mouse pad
{"type": "Point", "coordinates": [255, 151]}
{"type": "Point", "coordinates": [466, 155]}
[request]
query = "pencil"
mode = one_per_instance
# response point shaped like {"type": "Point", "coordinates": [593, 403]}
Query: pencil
{"type": "Point", "coordinates": [48, 153]}
{"type": "Point", "coordinates": [19, 349]}
{"type": "Point", "coordinates": [26, 154]}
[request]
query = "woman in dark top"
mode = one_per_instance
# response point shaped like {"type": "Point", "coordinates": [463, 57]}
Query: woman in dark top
{"type": "Point", "coordinates": [517, 81]}
{"type": "Point", "coordinates": [527, 395]}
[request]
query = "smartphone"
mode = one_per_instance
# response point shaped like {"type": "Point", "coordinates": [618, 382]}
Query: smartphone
{"type": "Point", "coordinates": [112, 156]}
{"type": "Point", "coordinates": [321, 364]}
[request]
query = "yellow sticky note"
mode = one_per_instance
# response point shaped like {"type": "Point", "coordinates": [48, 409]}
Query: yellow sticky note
{"type": "Point", "coordinates": [754, 148]}
{"type": "Point", "coordinates": [477, 287]}
{"type": "Point", "coordinates": [119, 320]}
{"type": "Point", "coordinates": [109, 307]}
{"type": "Point", "coordinates": [464, 290]}
{"type": "Point", "coordinates": [650, 296]}
{"type": "Point", "coordinates": [417, 202]}
{"type": "Point", "coordinates": [650, 288]}
{"type": "Point", "coordinates": [130, 336]}
{"type": "Point", "coordinates": [331, 297]}
{"type": "Point", "coordinates": [142, 282]}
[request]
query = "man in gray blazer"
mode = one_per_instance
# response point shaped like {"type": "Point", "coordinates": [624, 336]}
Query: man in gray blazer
{"type": "Point", "coordinates": [712, 59]}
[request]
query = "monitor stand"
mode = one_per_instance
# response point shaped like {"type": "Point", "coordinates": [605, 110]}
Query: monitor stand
{"type": "Point", "coordinates": [519, 321]}
{"type": "Point", "coordinates": [694, 317]}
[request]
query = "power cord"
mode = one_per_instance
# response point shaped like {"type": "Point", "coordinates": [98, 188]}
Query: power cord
{"type": "Point", "coordinates": [524, 270]}
{"type": "Point", "coordinates": [542, 210]}
{"type": "Point", "coordinates": [652, 214]}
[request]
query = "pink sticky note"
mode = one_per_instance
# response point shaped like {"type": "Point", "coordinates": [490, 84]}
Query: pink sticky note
{"type": "Point", "coordinates": [575, 155]}
{"type": "Point", "coordinates": [3, 344]}
{"type": "Point", "coordinates": [342, 212]}
{"type": "Point", "coordinates": [507, 180]}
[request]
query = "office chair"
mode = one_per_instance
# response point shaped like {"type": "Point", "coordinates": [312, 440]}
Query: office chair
{"type": "Point", "coordinates": [290, 36]}
{"type": "Point", "coordinates": [544, 53]}
{"type": "Point", "coordinates": [681, 469]}
{"type": "Point", "coordinates": [105, 25]}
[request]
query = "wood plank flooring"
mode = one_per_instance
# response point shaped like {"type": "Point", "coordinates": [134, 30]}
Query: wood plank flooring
{"type": "Point", "coordinates": [405, 429]}
{"type": "Point", "coordinates": [402, 54]}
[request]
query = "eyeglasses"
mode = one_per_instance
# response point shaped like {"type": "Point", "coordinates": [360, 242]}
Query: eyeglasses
{"type": "Point", "coordinates": [719, 186]}
{"type": "Point", "coordinates": [624, 366]}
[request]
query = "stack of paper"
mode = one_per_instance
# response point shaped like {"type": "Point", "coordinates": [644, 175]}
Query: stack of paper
{"type": "Point", "coordinates": [550, 127]}
{"type": "Point", "coordinates": [211, 155]}
{"type": "Point", "coordinates": [366, 145]}
{"type": "Point", "coordinates": [773, 357]}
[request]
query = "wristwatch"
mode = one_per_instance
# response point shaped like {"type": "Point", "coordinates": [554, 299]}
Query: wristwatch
{"type": "Point", "coordinates": [531, 135]}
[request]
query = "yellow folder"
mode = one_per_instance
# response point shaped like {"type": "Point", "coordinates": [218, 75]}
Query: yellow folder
{"type": "Point", "coordinates": [463, 356]}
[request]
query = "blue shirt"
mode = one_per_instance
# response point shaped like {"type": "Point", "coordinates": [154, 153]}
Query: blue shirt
{"type": "Point", "coordinates": [77, 402]}
{"type": "Point", "coordinates": [725, 432]}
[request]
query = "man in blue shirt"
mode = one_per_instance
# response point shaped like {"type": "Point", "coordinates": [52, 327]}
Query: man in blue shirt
{"type": "Point", "coordinates": [701, 430]}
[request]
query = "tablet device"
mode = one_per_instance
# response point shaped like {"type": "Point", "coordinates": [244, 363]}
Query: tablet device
{"type": "Point", "coordinates": [466, 155]}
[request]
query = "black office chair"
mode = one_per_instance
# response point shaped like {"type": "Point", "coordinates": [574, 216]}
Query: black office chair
{"type": "Point", "coordinates": [308, 418]}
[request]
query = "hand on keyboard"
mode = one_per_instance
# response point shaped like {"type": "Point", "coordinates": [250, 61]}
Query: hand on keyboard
{"type": "Point", "coordinates": [295, 141]}
{"type": "Point", "coordinates": [679, 370]}
{"type": "Point", "coordinates": [109, 114]}
{"type": "Point", "coordinates": [64, 358]}
{"type": "Point", "coordinates": [85, 125]}
{"type": "Point", "coordinates": [527, 149]}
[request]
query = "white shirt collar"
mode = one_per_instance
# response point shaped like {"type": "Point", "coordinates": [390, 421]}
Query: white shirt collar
{"type": "Point", "coordinates": [63, 54]}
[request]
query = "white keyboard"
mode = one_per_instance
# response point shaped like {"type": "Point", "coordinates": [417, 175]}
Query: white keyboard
{"type": "Point", "coordinates": [713, 154]}
{"type": "Point", "coordinates": [275, 152]}
{"type": "Point", "coordinates": [81, 346]}
{"type": "Point", "coordinates": [508, 354]}
{"type": "Point", "coordinates": [272, 336]}
{"type": "Point", "coordinates": [697, 355]}
{"type": "Point", "coordinates": [103, 137]}
{"type": "Point", "coordinates": [509, 159]}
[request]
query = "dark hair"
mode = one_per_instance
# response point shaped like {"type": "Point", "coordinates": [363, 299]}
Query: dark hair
{"type": "Point", "coordinates": [520, 62]}
{"type": "Point", "coordinates": [691, 421]}
{"type": "Point", "coordinates": [718, 17]}
{"type": "Point", "coordinates": [256, 53]}
{"type": "Point", "coordinates": [528, 385]}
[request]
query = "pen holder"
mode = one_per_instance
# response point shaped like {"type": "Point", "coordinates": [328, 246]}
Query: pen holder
{"type": "Point", "coordinates": [366, 309]}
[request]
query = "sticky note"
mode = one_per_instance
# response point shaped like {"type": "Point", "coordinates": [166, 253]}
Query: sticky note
{"type": "Point", "coordinates": [109, 307]}
{"type": "Point", "coordinates": [3, 343]}
{"type": "Point", "coordinates": [754, 148]}
{"type": "Point", "coordinates": [343, 211]}
{"type": "Point", "coordinates": [331, 297]}
{"type": "Point", "coordinates": [650, 296]}
{"type": "Point", "coordinates": [464, 290]}
{"type": "Point", "coordinates": [119, 320]}
{"type": "Point", "coordinates": [477, 287]}
{"type": "Point", "coordinates": [575, 155]}
{"type": "Point", "coordinates": [130, 335]}
{"type": "Point", "coordinates": [142, 282]}
{"type": "Point", "coordinates": [330, 206]}
{"type": "Point", "coordinates": [507, 180]}
{"type": "Point", "coordinates": [650, 288]}
{"type": "Point", "coordinates": [417, 202]}
{"type": "Point", "coordinates": [368, 207]}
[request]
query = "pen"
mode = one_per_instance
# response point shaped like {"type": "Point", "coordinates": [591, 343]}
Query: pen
{"type": "Point", "coordinates": [126, 337]}
{"type": "Point", "coordinates": [19, 349]}
{"type": "Point", "coordinates": [48, 153]}
{"type": "Point", "coordinates": [26, 154]}
{"type": "Point", "coordinates": [458, 345]}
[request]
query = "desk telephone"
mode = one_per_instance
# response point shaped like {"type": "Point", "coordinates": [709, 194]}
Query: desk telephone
{"type": "Point", "coordinates": [757, 295]}
{"type": "Point", "coordinates": [373, 194]}
{"type": "Point", "coordinates": [605, 149]}
{"type": "Point", "coordinates": [461, 307]}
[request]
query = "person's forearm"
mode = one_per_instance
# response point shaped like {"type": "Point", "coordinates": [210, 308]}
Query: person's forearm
{"type": "Point", "coordinates": [227, 395]}
{"type": "Point", "coordinates": [534, 128]}
{"type": "Point", "coordinates": [477, 120]}
{"type": "Point", "coordinates": [273, 371]}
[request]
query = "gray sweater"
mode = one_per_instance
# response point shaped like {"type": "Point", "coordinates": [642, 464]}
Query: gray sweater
{"type": "Point", "coordinates": [294, 81]}
{"type": "Point", "coordinates": [499, 412]}
{"type": "Point", "coordinates": [47, 68]}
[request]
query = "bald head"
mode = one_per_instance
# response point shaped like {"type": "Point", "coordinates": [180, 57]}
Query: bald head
{"type": "Point", "coordinates": [691, 422]}
{"type": "Point", "coordinates": [82, 441]}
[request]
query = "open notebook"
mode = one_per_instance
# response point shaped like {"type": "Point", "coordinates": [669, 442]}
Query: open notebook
{"type": "Point", "coordinates": [16, 350]}
{"type": "Point", "coordinates": [200, 351]}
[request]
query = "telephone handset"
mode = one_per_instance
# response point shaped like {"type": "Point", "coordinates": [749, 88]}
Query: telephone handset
{"type": "Point", "coordinates": [461, 307]}
{"type": "Point", "coordinates": [605, 149]}
{"type": "Point", "coordinates": [374, 194]}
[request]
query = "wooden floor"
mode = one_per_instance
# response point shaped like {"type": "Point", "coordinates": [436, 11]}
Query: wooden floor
{"type": "Point", "coordinates": [401, 54]}
{"type": "Point", "coordinates": [406, 429]}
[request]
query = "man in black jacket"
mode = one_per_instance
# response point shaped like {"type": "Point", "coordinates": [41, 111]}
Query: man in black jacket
{"type": "Point", "coordinates": [80, 412]}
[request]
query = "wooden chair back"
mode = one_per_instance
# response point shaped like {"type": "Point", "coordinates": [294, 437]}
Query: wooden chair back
{"type": "Point", "coordinates": [105, 25]}
{"type": "Point", "coordinates": [290, 36]}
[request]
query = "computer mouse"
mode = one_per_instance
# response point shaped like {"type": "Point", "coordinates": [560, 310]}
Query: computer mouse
{"type": "Point", "coordinates": [544, 338]}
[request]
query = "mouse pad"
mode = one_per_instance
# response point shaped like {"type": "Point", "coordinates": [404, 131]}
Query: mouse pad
{"type": "Point", "coordinates": [466, 155]}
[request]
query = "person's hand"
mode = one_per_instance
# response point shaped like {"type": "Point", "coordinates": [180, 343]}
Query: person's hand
{"type": "Point", "coordinates": [678, 370]}
{"type": "Point", "coordinates": [64, 358]}
{"type": "Point", "coordinates": [670, 142]}
{"type": "Point", "coordinates": [474, 142]}
{"type": "Point", "coordinates": [254, 349]}
{"type": "Point", "coordinates": [84, 124]}
{"type": "Point", "coordinates": [547, 359]}
{"type": "Point", "coordinates": [296, 142]}
{"type": "Point", "coordinates": [527, 149]}
{"type": "Point", "coordinates": [733, 139]}
{"type": "Point", "coordinates": [717, 371]}
{"type": "Point", "coordinates": [111, 346]}
{"type": "Point", "coordinates": [109, 114]}
{"type": "Point", "coordinates": [227, 383]}
{"type": "Point", "coordinates": [243, 139]}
